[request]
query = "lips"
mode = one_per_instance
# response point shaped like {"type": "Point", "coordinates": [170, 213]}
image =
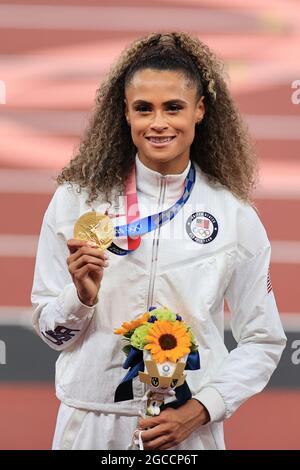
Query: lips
{"type": "Point", "coordinates": [161, 141]}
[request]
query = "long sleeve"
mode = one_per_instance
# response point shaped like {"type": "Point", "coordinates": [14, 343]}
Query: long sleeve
{"type": "Point", "coordinates": [256, 327]}
{"type": "Point", "coordinates": [59, 316]}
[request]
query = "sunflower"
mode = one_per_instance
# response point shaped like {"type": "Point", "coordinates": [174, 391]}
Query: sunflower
{"type": "Point", "coordinates": [128, 327]}
{"type": "Point", "coordinates": [168, 341]}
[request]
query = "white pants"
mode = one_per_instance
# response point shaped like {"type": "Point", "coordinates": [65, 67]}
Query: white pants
{"type": "Point", "coordinates": [79, 429]}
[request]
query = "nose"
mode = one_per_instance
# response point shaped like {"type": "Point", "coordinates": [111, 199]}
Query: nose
{"type": "Point", "coordinates": [158, 124]}
{"type": "Point", "coordinates": [158, 128]}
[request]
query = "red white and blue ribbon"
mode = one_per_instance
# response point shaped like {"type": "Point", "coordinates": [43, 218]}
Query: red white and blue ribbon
{"type": "Point", "coordinates": [134, 230]}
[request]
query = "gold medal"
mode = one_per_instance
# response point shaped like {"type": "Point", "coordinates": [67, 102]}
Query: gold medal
{"type": "Point", "coordinates": [96, 228]}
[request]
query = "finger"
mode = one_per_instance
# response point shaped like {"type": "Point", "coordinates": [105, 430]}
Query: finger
{"type": "Point", "coordinates": [82, 272]}
{"type": "Point", "coordinates": [87, 250]}
{"type": "Point", "coordinates": [154, 433]}
{"type": "Point", "coordinates": [73, 244]}
{"type": "Point", "coordinates": [86, 259]}
{"type": "Point", "coordinates": [146, 423]}
{"type": "Point", "coordinates": [161, 443]}
{"type": "Point", "coordinates": [168, 445]}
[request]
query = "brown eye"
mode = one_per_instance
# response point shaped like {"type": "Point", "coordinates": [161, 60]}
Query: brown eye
{"type": "Point", "coordinates": [143, 109]}
{"type": "Point", "coordinates": [174, 108]}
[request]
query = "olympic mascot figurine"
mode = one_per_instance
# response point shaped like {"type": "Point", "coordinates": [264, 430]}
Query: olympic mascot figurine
{"type": "Point", "coordinates": [162, 380]}
{"type": "Point", "coordinates": [160, 346]}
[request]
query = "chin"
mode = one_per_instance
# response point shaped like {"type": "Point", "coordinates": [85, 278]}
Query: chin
{"type": "Point", "coordinates": [162, 157]}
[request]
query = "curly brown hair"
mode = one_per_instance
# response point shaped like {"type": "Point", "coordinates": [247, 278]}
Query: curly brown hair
{"type": "Point", "coordinates": [221, 145]}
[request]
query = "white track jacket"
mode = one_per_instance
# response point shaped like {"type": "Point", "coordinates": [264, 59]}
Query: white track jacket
{"type": "Point", "coordinates": [215, 248]}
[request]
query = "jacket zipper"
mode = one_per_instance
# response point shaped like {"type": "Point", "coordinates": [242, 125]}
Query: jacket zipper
{"type": "Point", "coordinates": [154, 254]}
{"type": "Point", "coordinates": [155, 244]}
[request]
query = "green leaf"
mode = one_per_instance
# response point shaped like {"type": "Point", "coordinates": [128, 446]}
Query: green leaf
{"type": "Point", "coordinates": [126, 349]}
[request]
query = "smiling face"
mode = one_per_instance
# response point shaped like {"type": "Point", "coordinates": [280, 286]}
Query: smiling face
{"type": "Point", "coordinates": [162, 109]}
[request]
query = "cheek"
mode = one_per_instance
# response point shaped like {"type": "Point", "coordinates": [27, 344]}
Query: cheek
{"type": "Point", "coordinates": [185, 125]}
{"type": "Point", "coordinates": [137, 135]}
{"type": "Point", "coordinates": [187, 131]}
{"type": "Point", "coordinates": [138, 127]}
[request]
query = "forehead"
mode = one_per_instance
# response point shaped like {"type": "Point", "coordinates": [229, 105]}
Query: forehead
{"type": "Point", "coordinates": [151, 82]}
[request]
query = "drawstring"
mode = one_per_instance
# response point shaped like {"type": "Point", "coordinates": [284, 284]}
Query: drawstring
{"type": "Point", "coordinates": [168, 395]}
{"type": "Point", "coordinates": [137, 441]}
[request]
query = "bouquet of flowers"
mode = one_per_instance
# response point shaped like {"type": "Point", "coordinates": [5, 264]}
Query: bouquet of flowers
{"type": "Point", "coordinates": [160, 346]}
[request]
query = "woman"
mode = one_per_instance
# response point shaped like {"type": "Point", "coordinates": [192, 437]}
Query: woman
{"type": "Point", "coordinates": [163, 116]}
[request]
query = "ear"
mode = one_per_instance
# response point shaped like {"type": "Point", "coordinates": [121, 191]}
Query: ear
{"type": "Point", "coordinates": [126, 111]}
{"type": "Point", "coordinates": [200, 110]}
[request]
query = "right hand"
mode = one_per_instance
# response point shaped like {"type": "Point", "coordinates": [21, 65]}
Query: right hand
{"type": "Point", "coordinates": [86, 264]}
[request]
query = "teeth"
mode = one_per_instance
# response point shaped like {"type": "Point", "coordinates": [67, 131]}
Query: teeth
{"type": "Point", "coordinates": [160, 139]}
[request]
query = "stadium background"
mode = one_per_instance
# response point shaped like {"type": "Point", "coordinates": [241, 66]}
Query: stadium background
{"type": "Point", "coordinates": [52, 57]}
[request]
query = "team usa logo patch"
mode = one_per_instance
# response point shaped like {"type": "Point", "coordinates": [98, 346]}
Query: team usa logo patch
{"type": "Point", "coordinates": [202, 227]}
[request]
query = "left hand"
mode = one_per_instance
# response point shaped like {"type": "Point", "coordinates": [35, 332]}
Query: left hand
{"type": "Point", "coordinates": [172, 426]}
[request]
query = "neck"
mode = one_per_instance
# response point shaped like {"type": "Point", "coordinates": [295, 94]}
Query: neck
{"type": "Point", "coordinates": [173, 167]}
{"type": "Point", "coordinates": [148, 180]}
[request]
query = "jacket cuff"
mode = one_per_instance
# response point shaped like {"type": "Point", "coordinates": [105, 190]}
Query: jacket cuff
{"type": "Point", "coordinates": [73, 307]}
{"type": "Point", "coordinates": [213, 402]}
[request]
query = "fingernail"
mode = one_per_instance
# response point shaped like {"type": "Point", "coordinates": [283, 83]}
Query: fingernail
{"type": "Point", "coordinates": [92, 243]}
{"type": "Point", "coordinates": [106, 256]}
{"type": "Point", "coordinates": [106, 263]}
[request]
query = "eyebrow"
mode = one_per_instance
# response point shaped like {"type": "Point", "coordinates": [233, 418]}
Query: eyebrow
{"type": "Point", "coordinates": [175, 101]}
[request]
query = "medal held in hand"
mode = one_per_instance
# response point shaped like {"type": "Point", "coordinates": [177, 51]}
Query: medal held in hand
{"type": "Point", "coordinates": [98, 228]}
{"type": "Point", "coordinates": [95, 227]}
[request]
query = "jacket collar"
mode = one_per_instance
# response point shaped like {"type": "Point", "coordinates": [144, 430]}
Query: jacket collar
{"type": "Point", "coordinates": [148, 181]}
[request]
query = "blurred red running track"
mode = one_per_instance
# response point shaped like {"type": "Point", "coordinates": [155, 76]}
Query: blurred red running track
{"type": "Point", "coordinates": [28, 414]}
